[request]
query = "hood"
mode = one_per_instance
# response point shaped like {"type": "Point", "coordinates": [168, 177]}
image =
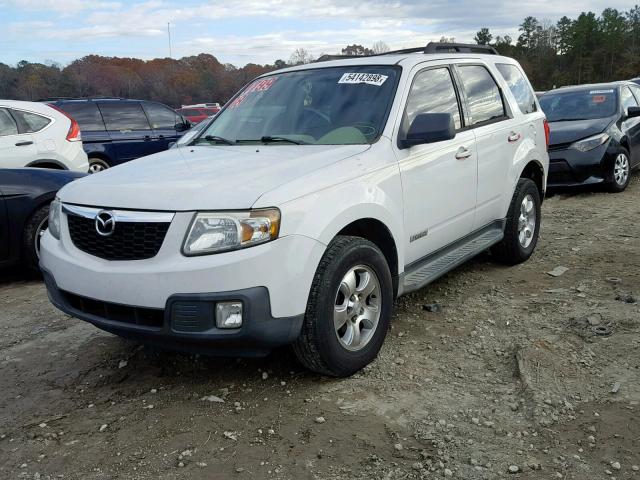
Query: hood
{"type": "Point", "coordinates": [568, 132]}
{"type": "Point", "coordinates": [203, 178]}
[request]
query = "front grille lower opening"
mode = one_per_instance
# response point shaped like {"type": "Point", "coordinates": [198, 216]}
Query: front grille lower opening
{"type": "Point", "coordinates": [146, 317]}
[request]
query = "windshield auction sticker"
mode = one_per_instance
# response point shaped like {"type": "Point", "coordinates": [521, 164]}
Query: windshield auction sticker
{"type": "Point", "coordinates": [258, 86]}
{"type": "Point", "coordinates": [596, 92]}
{"type": "Point", "coordinates": [368, 78]}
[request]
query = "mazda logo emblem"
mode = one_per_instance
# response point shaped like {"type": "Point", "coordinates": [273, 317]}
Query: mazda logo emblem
{"type": "Point", "coordinates": [105, 223]}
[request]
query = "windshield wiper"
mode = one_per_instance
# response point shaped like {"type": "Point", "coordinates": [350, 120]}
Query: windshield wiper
{"type": "Point", "coordinates": [217, 139]}
{"type": "Point", "coordinates": [269, 139]}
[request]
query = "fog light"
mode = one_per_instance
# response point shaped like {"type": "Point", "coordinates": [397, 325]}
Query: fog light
{"type": "Point", "coordinates": [229, 314]}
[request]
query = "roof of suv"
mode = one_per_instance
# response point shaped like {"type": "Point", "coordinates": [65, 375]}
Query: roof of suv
{"type": "Point", "coordinates": [434, 51]}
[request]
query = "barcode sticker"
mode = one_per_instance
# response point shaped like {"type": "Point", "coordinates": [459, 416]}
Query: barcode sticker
{"type": "Point", "coordinates": [367, 78]}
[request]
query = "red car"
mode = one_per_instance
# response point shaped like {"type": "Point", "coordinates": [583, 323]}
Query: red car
{"type": "Point", "coordinates": [197, 114]}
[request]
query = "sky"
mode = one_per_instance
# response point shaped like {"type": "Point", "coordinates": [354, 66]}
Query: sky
{"type": "Point", "coordinates": [258, 31]}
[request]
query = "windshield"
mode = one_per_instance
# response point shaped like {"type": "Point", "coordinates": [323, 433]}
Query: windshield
{"type": "Point", "coordinates": [323, 106]}
{"type": "Point", "coordinates": [580, 104]}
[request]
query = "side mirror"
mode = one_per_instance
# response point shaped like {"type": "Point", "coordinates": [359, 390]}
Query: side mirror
{"type": "Point", "coordinates": [633, 112]}
{"type": "Point", "coordinates": [430, 128]}
{"type": "Point", "coordinates": [183, 126]}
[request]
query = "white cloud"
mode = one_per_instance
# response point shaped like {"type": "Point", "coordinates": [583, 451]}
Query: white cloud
{"type": "Point", "coordinates": [399, 23]}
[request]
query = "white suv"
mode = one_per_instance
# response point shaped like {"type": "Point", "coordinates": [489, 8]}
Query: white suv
{"type": "Point", "coordinates": [34, 134]}
{"type": "Point", "coordinates": [318, 195]}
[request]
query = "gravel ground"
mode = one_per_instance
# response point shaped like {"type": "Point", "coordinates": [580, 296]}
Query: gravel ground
{"type": "Point", "coordinates": [511, 378]}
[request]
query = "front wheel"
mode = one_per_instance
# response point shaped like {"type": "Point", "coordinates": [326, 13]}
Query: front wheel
{"type": "Point", "coordinates": [349, 309]}
{"type": "Point", "coordinates": [619, 172]}
{"type": "Point", "coordinates": [33, 231]}
{"type": "Point", "coordinates": [97, 165]}
{"type": "Point", "coordinates": [523, 225]}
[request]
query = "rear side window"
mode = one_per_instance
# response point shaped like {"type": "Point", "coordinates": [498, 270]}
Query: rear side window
{"type": "Point", "coordinates": [483, 95]}
{"type": "Point", "coordinates": [31, 122]}
{"type": "Point", "coordinates": [519, 87]}
{"type": "Point", "coordinates": [627, 99]}
{"type": "Point", "coordinates": [7, 123]}
{"type": "Point", "coordinates": [86, 114]}
{"type": "Point", "coordinates": [124, 116]}
{"type": "Point", "coordinates": [432, 91]}
{"type": "Point", "coordinates": [161, 117]}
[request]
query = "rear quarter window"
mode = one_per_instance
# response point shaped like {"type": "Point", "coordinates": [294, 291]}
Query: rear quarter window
{"type": "Point", "coordinates": [86, 114]}
{"type": "Point", "coordinates": [519, 87]}
{"type": "Point", "coordinates": [31, 122]}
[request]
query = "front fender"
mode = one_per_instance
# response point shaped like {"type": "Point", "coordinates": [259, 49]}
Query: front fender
{"type": "Point", "coordinates": [322, 215]}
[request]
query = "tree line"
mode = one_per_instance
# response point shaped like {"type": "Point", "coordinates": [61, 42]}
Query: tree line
{"type": "Point", "coordinates": [589, 48]}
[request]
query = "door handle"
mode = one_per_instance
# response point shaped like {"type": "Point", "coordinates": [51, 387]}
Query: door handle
{"type": "Point", "coordinates": [24, 144]}
{"type": "Point", "coordinates": [513, 137]}
{"type": "Point", "coordinates": [462, 153]}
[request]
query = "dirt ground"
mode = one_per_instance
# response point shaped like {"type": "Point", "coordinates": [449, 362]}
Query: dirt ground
{"type": "Point", "coordinates": [513, 378]}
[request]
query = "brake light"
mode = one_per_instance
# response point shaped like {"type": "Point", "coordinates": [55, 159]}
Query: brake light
{"type": "Point", "coordinates": [73, 135]}
{"type": "Point", "coordinates": [547, 132]}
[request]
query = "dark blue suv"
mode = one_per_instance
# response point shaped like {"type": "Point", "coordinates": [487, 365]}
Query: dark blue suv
{"type": "Point", "coordinates": [116, 130]}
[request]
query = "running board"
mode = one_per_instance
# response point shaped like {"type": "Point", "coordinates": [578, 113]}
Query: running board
{"type": "Point", "coordinates": [426, 270]}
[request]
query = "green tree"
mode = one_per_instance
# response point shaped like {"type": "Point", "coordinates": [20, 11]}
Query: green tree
{"type": "Point", "coordinates": [356, 50]}
{"type": "Point", "coordinates": [529, 28]}
{"type": "Point", "coordinates": [483, 37]}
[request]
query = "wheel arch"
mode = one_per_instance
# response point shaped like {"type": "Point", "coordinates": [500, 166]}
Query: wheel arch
{"type": "Point", "coordinates": [379, 234]}
{"type": "Point", "coordinates": [100, 156]}
{"type": "Point", "coordinates": [535, 172]}
{"type": "Point", "coordinates": [47, 163]}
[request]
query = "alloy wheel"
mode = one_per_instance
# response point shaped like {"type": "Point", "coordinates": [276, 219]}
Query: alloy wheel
{"type": "Point", "coordinates": [621, 169]}
{"type": "Point", "coordinates": [526, 221]}
{"type": "Point", "coordinates": [357, 308]}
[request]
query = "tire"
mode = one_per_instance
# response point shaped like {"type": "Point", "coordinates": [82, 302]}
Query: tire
{"type": "Point", "coordinates": [97, 165]}
{"type": "Point", "coordinates": [619, 172]}
{"type": "Point", "coordinates": [514, 247]}
{"type": "Point", "coordinates": [35, 226]}
{"type": "Point", "coordinates": [323, 348]}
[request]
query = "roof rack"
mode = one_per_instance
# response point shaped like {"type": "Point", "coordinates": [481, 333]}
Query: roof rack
{"type": "Point", "coordinates": [55, 99]}
{"type": "Point", "coordinates": [441, 47]}
{"type": "Point", "coordinates": [432, 47]}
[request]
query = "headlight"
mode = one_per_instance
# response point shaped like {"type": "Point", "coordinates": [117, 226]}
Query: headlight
{"type": "Point", "coordinates": [214, 232]}
{"type": "Point", "coordinates": [591, 142]}
{"type": "Point", "coordinates": [54, 218]}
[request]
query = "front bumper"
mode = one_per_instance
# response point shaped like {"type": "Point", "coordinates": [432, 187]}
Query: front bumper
{"type": "Point", "coordinates": [137, 298]}
{"type": "Point", "coordinates": [569, 167]}
{"type": "Point", "coordinates": [187, 323]}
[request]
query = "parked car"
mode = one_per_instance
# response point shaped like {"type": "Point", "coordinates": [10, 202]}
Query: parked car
{"type": "Point", "coordinates": [595, 134]}
{"type": "Point", "coordinates": [36, 135]}
{"type": "Point", "coordinates": [25, 195]}
{"type": "Point", "coordinates": [197, 114]}
{"type": "Point", "coordinates": [118, 130]}
{"type": "Point", "coordinates": [318, 195]}
{"type": "Point", "coordinates": [635, 80]}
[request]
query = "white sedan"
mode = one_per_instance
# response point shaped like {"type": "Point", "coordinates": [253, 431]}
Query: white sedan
{"type": "Point", "coordinates": [35, 134]}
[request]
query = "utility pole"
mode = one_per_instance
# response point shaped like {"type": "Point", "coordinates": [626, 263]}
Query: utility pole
{"type": "Point", "coordinates": [169, 34]}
